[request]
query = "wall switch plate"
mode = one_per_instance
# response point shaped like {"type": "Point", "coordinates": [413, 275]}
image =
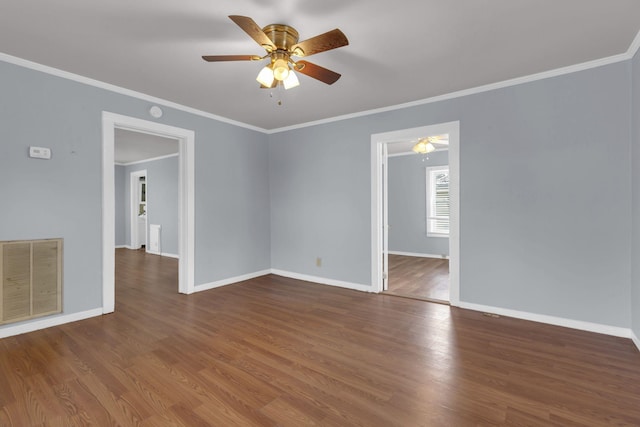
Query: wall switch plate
{"type": "Point", "coordinates": [40, 153]}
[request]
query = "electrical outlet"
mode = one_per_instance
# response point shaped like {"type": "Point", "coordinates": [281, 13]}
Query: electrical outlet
{"type": "Point", "coordinates": [318, 262]}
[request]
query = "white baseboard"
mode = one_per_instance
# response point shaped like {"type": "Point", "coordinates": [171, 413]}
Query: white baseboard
{"type": "Point", "coordinates": [322, 280]}
{"type": "Point", "coordinates": [635, 340]}
{"type": "Point", "coordinates": [48, 322]}
{"type": "Point", "coordinates": [168, 255]}
{"type": "Point", "coordinates": [123, 247]}
{"type": "Point", "coordinates": [229, 281]}
{"type": "Point", "coordinates": [552, 320]}
{"type": "Point", "coordinates": [441, 256]}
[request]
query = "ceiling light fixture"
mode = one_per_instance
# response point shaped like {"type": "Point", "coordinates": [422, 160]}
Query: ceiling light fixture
{"type": "Point", "coordinates": [266, 77]}
{"type": "Point", "coordinates": [423, 146]}
{"type": "Point", "coordinates": [281, 44]}
{"type": "Point", "coordinates": [278, 71]}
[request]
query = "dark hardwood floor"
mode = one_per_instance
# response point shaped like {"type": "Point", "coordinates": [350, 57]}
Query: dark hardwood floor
{"type": "Point", "coordinates": [276, 351]}
{"type": "Point", "coordinates": [418, 277]}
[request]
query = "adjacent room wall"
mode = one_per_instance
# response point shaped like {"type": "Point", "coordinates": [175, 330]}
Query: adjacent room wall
{"type": "Point", "coordinates": [121, 214]}
{"type": "Point", "coordinates": [62, 197]}
{"type": "Point", "coordinates": [407, 203]}
{"type": "Point", "coordinates": [162, 201]}
{"type": "Point", "coordinates": [635, 255]}
{"type": "Point", "coordinates": [541, 165]}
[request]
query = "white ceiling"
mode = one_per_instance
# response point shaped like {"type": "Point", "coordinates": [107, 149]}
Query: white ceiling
{"type": "Point", "coordinates": [135, 146]}
{"type": "Point", "coordinates": [399, 52]}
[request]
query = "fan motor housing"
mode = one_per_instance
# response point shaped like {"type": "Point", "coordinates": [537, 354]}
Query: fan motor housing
{"type": "Point", "coordinates": [282, 36]}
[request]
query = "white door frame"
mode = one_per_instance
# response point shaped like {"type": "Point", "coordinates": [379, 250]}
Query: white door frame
{"type": "Point", "coordinates": [378, 187]}
{"type": "Point", "coordinates": [134, 196]}
{"type": "Point", "coordinates": [186, 192]}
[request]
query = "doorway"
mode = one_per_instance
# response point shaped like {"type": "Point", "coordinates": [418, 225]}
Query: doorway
{"type": "Point", "coordinates": [138, 209]}
{"type": "Point", "coordinates": [380, 144]}
{"type": "Point", "coordinates": [186, 178]}
{"type": "Point", "coordinates": [418, 219]}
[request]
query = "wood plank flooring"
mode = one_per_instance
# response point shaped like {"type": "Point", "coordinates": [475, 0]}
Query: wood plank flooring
{"type": "Point", "coordinates": [418, 277]}
{"type": "Point", "coordinates": [280, 352]}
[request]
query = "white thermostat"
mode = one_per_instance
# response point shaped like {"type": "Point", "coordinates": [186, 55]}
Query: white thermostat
{"type": "Point", "coordinates": [40, 153]}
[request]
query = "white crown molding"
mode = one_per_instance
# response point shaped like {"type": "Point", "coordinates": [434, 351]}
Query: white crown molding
{"type": "Point", "coordinates": [629, 54]}
{"type": "Point", "coordinates": [466, 92]}
{"type": "Point", "coordinates": [634, 47]}
{"type": "Point", "coordinates": [552, 320]}
{"type": "Point", "coordinates": [48, 322]}
{"type": "Point", "coordinates": [123, 91]}
{"type": "Point", "coordinates": [152, 159]}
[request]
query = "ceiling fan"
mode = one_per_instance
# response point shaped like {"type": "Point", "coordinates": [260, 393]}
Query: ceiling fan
{"type": "Point", "coordinates": [281, 43]}
{"type": "Point", "coordinates": [425, 145]}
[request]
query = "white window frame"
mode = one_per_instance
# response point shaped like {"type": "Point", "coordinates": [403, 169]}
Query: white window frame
{"type": "Point", "coordinates": [431, 172]}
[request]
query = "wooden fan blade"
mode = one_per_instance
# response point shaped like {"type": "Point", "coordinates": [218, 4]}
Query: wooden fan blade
{"type": "Point", "coordinates": [317, 72]}
{"type": "Point", "coordinates": [217, 58]}
{"type": "Point", "coordinates": [327, 41]}
{"type": "Point", "coordinates": [250, 27]}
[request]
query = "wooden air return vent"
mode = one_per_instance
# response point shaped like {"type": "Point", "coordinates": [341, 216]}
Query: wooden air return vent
{"type": "Point", "coordinates": [31, 279]}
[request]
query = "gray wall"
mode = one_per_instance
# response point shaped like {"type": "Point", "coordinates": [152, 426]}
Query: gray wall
{"type": "Point", "coordinates": [545, 190]}
{"type": "Point", "coordinates": [635, 256]}
{"type": "Point", "coordinates": [321, 202]}
{"type": "Point", "coordinates": [542, 164]}
{"type": "Point", "coordinates": [162, 200]}
{"type": "Point", "coordinates": [121, 214]}
{"type": "Point", "coordinates": [62, 197]}
{"type": "Point", "coordinates": [407, 204]}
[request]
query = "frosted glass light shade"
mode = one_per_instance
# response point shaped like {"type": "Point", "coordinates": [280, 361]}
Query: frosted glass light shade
{"type": "Point", "coordinates": [265, 77]}
{"type": "Point", "coordinates": [291, 81]}
{"type": "Point", "coordinates": [281, 69]}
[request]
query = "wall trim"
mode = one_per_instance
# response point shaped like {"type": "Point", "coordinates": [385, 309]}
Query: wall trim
{"type": "Point", "coordinates": [552, 320]}
{"type": "Point", "coordinates": [635, 340]}
{"type": "Point", "coordinates": [634, 47]}
{"type": "Point", "coordinates": [629, 54]}
{"type": "Point", "coordinates": [48, 322]}
{"type": "Point", "coordinates": [124, 247]}
{"type": "Point", "coordinates": [466, 92]}
{"type": "Point", "coordinates": [165, 254]}
{"type": "Point", "coordinates": [169, 255]}
{"type": "Point", "coordinates": [152, 159]}
{"type": "Point", "coordinates": [379, 250]}
{"type": "Point", "coordinates": [231, 280]}
{"type": "Point", "coordinates": [117, 89]}
{"type": "Point", "coordinates": [420, 255]}
{"type": "Point", "coordinates": [322, 280]}
{"type": "Point", "coordinates": [186, 204]}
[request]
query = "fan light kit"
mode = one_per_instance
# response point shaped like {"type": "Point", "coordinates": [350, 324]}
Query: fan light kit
{"type": "Point", "coordinates": [425, 145]}
{"type": "Point", "coordinates": [281, 44]}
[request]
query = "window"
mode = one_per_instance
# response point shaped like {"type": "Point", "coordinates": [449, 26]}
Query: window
{"type": "Point", "coordinates": [438, 201]}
